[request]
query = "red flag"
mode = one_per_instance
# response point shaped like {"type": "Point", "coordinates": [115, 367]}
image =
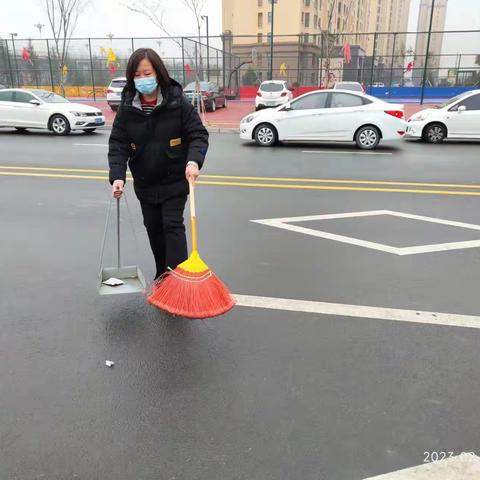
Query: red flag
{"type": "Point", "coordinates": [347, 54]}
{"type": "Point", "coordinates": [112, 68]}
{"type": "Point", "coordinates": [187, 68]}
{"type": "Point", "coordinates": [26, 56]}
{"type": "Point", "coordinates": [410, 66]}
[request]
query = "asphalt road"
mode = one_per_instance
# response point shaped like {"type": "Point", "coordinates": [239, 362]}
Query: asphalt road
{"type": "Point", "coordinates": [260, 393]}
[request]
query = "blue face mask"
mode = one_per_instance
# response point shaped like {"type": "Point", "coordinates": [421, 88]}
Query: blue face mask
{"type": "Point", "coordinates": [146, 85]}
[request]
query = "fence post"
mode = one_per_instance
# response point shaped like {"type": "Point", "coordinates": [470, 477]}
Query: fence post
{"type": "Point", "coordinates": [458, 68]}
{"type": "Point", "coordinates": [133, 44]}
{"type": "Point", "coordinates": [50, 66]}
{"type": "Point", "coordinates": [426, 53]}
{"type": "Point", "coordinates": [299, 56]}
{"type": "Point", "coordinates": [10, 69]}
{"type": "Point", "coordinates": [183, 65]}
{"type": "Point", "coordinates": [218, 79]}
{"type": "Point", "coordinates": [373, 60]}
{"type": "Point", "coordinates": [91, 69]}
{"type": "Point", "coordinates": [391, 65]}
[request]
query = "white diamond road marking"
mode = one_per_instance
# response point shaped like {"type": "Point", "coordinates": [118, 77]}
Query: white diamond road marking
{"type": "Point", "coordinates": [462, 467]}
{"type": "Point", "coordinates": [286, 224]}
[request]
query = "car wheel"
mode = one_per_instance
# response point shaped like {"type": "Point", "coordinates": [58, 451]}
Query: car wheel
{"type": "Point", "coordinates": [265, 135]}
{"type": "Point", "coordinates": [367, 138]}
{"type": "Point", "coordinates": [88, 130]}
{"type": "Point", "coordinates": [114, 107]}
{"type": "Point", "coordinates": [21, 129]}
{"type": "Point", "coordinates": [213, 106]}
{"type": "Point", "coordinates": [59, 125]}
{"type": "Point", "coordinates": [435, 133]}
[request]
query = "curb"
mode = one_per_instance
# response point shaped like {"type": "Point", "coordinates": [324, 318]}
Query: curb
{"type": "Point", "coordinates": [223, 130]}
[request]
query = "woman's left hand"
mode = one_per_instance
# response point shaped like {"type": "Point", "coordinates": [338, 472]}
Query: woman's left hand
{"type": "Point", "coordinates": [192, 173]}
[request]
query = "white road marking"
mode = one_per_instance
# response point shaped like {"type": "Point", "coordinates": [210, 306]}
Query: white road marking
{"type": "Point", "coordinates": [358, 311]}
{"type": "Point", "coordinates": [461, 467]}
{"type": "Point", "coordinates": [90, 144]}
{"type": "Point", "coordinates": [347, 152]}
{"type": "Point", "coordinates": [285, 224]}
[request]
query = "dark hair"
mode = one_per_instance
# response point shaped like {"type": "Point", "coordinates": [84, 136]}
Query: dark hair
{"type": "Point", "coordinates": [137, 56]}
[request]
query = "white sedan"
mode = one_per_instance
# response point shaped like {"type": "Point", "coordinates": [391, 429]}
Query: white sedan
{"type": "Point", "coordinates": [458, 118]}
{"type": "Point", "coordinates": [327, 115]}
{"type": "Point", "coordinates": [24, 109]}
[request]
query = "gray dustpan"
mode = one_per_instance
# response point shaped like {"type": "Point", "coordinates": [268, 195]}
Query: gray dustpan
{"type": "Point", "coordinates": [131, 276]}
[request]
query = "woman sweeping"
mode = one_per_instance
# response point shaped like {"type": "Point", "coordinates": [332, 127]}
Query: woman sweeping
{"type": "Point", "coordinates": [161, 137]}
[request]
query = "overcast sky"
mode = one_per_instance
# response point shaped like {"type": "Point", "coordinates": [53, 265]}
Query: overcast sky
{"type": "Point", "coordinates": [108, 16]}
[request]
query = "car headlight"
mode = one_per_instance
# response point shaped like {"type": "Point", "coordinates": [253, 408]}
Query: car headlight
{"type": "Point", "coordinates": [248, 119]}
{"type": "Point", "coordinates": [77, 114]}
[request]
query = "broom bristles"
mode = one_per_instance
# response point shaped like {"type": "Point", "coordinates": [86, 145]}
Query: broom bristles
{"type": "Point", "coordinates": [194, 295]}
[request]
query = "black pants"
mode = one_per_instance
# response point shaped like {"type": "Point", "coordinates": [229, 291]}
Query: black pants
{"type": "Point", "coordinates": [166, 232]}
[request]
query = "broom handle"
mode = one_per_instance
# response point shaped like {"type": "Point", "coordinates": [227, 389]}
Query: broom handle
{"type": "Point", "coordinates": [193, 217]}
{"type": "Point", "coordinates": [118, 232]}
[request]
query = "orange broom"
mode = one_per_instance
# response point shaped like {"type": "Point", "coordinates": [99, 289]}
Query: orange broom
{"type": "Point", "coordinates": [191, 290]}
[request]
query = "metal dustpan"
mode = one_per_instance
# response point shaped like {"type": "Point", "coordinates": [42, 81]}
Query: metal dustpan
{"type": "Point", "coordinates": [130, 278]}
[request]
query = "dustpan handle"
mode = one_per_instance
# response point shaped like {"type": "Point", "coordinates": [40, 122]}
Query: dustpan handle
{"type": "Point", "coordinates": [193, 217]}
{"type": "Point", "coordinates": [118, 232]}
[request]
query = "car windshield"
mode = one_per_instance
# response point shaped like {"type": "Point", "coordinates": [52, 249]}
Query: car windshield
{"type": "Point", "coordinates": [191, 87]}
{"type": "Point", "coordinates": [50, 97]}
{"type": "Point", "coordinates": [271, 87]}
{"type": "Point", "coordinates": [450, 102]}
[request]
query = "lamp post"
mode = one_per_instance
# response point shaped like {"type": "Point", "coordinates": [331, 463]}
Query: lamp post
{"type": "Point", "coordinates": [270, 73]}
{"type": "Point", "coordinates": [13, 35]}
{"type": "Point", "coordinates": [205, 17]}
{"type": "Point", "coordinates": [40, 27]}
{"type": "Point", "coordinates": [426, 53]}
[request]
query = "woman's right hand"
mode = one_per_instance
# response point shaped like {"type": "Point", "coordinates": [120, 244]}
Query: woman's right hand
{"type": "Point", "coordinates": [117, 188]}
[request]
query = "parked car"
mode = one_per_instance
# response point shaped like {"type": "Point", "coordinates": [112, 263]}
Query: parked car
{"type": "Point", "coordinates": [327, 115]}
{"type": "Point", "coordinates": [351, 86]}
{"type": "Point", "coordinates": [22, 109]}
{"type": "Point", "coordinates": [114, 92]}
{"type": "Point", "coordinates": [272, 93]}
{"type": "Point", "coordinates": [458, 118]}
{"type": "Point", "coordinates": [212, 95]}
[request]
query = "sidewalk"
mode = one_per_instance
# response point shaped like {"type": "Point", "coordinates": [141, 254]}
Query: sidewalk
{"type": "Point", "coordinates": [229, 117]}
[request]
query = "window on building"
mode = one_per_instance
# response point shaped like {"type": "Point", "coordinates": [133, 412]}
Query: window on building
{"type": "Point", "coordinates": [315, 21]}
{"type": "Point", "coordinates": [307, 3]}
{"type": "Point", "coordinates": [270, 18]}
{"type": "Point", "coordinates": [259, 38]}
{"type": "Point", "coordinates": [269, 37]}
{"type": "Point", "coordinates": [260, 20]}
{"type": "Point", "coordinates": [315, 4]}
{"type": "Point", "coordinates": [307, 20]}
{"type": "Point", "coordinates": [306, 38]}
{"type": "Point", "coordinates": [260, 3]}
{"type": "Point", "coordinates": [312, 78]}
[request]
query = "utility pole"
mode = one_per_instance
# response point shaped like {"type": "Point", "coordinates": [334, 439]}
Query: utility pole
{"type": "Point", "coordinates": [426, 53]}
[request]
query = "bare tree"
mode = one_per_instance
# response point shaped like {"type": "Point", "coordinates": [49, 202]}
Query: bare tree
{"type": "Point", "coordinates": [331, 39]}
{"type": "Point", "coordinates": [153, 10]}
{"type": "Point", "coordinates": [63, 17]}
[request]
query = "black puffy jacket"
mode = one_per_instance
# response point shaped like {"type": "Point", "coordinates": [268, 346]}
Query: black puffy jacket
{"type": "Point", "coordinates": [158, 146]}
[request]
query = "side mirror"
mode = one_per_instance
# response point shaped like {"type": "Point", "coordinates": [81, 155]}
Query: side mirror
{"type": "Point", "coordinates": [34, 102]}
{"type": "Point", "coordinates": [461, 108]}
{"type": "Point", "coordinates": [287, 107]}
